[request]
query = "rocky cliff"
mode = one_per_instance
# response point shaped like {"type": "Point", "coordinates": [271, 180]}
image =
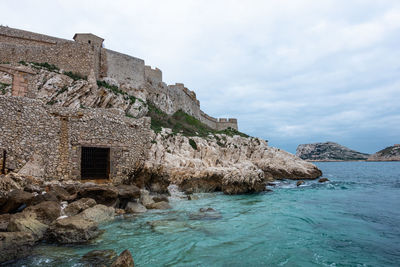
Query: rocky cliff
{"type": "Point", "coordinates": [232, 164]}
{"type": "Point", "coordinates": [391, 153]}
{"type": "Point", "coordinates": [328, 151]}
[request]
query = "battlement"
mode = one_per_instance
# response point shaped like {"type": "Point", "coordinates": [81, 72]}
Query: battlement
{"type": "Point", "coordinates": [154, 76]}
{"type": "Point", "coordinates": [89, 38]}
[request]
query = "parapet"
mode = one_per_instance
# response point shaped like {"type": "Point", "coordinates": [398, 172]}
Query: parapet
{"type": "Point", "coordinates": [153, 76]}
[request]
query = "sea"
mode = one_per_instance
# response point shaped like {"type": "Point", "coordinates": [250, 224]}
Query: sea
{"type": "Point", "coordinates": [352, 220]}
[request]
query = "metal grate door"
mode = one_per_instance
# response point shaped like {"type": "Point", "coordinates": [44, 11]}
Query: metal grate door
{"type": "Point", "coordinates": [95, 163]}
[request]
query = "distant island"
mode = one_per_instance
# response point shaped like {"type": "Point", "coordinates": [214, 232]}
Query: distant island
{"type": "Point", "coordinates": [328, 151]}
{"type": "Point", "coordinates": [391, 153]}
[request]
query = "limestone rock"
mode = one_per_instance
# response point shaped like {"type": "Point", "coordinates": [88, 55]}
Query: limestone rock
{"type": "Point", "coordinates": [391, 153]}
{"type": "Point", "coordinates": [46, 211]}
{"type": "Point", "coordinates": [15, 245]}
{"type": "Point", "coordinates": [4, 221]}
{"type": "Point", "coordinates": [128, 192]}
{"type": "Point", "coordinates": [74, 229]}
{"type": "Point", "coordinates": [102, 194]}
{"type": "Point", "coordinates": [27, 222]}
{"type": "Point", "coordinates": [98, 213]}
{"type": "Point", "coordinates": [163, 205]}
{"type": "Point", "coordinates": [79, 205]}
{"type": "Point", "coordinates": [125, 259]}
{"type": "Point", "coordinates": [14, 200]}
{"type": "Point", "coordinates": [99, 257]}
{"type": "Point", "coordinates": [133, 207]}
{"type": "Point", "coordinates": [145, 198]}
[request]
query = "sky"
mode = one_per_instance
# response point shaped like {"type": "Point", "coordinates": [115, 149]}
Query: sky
{"type": "Point", "coordinates": [291, 71]}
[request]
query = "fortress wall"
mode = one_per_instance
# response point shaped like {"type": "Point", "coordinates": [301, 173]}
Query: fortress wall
{"type": "Point", "coordinates": [51, 138]}
{"type": "Point", "coordinates": [69, 56]}
{"type": "Point", "coordinates": [183, 99]}
{"type": "Point", "coordinates": [124, 68]}
{"type": "Point", "coordinates": [154, 76]}
{"type": "Point", "coordinates": [27, 38]}
{"type": "Point", "coordinates": [208, 120]}
{"type": "Point", "coordinates": [224, 123]}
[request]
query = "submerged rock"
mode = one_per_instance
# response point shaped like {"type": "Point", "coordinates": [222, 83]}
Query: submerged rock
{"type": "Point", "coordinates": [99, 257]}
{"type": "Point", "coordinates": [299, 183]}
{"type": "Point", "coordinates": [206, 214]}
{"type": "Point", "coordinates": [323, 180]}
{"type": "Point", "coordinates": [163, 205]}
{"type": "Point", "coordinates": [15, 245]}
{"type": "Point", "coordinates": [125, 259]}
{"type": "Point", "coordinates": [133, 207]}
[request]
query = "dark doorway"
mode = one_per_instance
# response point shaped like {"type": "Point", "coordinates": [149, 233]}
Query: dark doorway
{"type": "Point", "coordinates": [95, 163]}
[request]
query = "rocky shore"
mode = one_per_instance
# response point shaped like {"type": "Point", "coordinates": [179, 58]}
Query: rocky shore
{"type": "Point", "coordinates": [63, 213]}
{"type": "Point", "coordinates": [391, 153]}
{"type": "Point", "coordinates": [328, 151]}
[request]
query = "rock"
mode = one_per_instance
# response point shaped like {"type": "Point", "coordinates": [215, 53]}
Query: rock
{"type": "Point", "coordinates": [160, 198]}
{"type": "Point", "coordinates": [193, 197]}
{"type": "Point", "coordinates": [169, 226]}
{"type": "Point", "coordinates": [62, 194]}
{"type": "Point", "coordinates": [15, 245]}
{"type": "Point", "coordinates": [125, 259]}
{"type": "Point", "coordinates": [323, 180]}
{"type": "Point", "coordinates": [391, 153]}
{"type": "Point", "coordinates": [120, 211]}
{"type": "Point", "coordinates": [299, 183]}
{"type": "Point", "coordinates": [45, 196]}
{"type": "Point", "coordinates": [74, 229]}
{"type": "Point", "coordinates": [27, 222]}
{"type": "Point", "coordinates": [133, 207]}
{"type": "Point", "coordinates": [4, 221]}
{"type": "Point", "coordinates": [145, 198]}
{"type": "Point", "coordinates": [46, 211]}
{"type": "Point", "coordinates": [159, 206]}
{"type": "Point", "coordinates": [103, 194]}
{"type": "Point", "coordinates": [99, 257]}
{"type": "Point", "coordinates": [128, 192]}
{"type": "Point", "coordinates": [16, 199]}
{"type": "Point", "coordinates": [99, 213]}
{"type": "Point", "coordinates": [31, 188]}
{"type": "Point", "coordinates": [205, 214]}
{"type": "Point", "coordinates": [79, 206]}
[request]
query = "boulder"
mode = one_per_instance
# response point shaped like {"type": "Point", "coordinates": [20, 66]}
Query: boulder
{"type": "Point", "coordinates": [15, 200]}
{"type": "Point", "coordinates": [124, 259]}
{"type": "Point", "coordinates": [103, 194]}
{"type": "Point", "coordinates": [299, 183]}
{"type": "Point", "coordinates": [15, 245]}
{"type": "Point", "coordinates": [4, 221]}
{"type": "Point", "coordinates": [32, 188]}
{"type": "Point", "coordinates": [133, 207]}
{"type": "Point", "coordinates": [98, 214]}
{"type": "Point", "coordinates": [79, 206]}
{"type": "Point", "coordinates": [45, 196]}
{"type": "Point", "coordinates": [128, 192]}
{"type": "Point", "coordinates": [62, 194]}
{"type": "Point", "coordinates": [192, 197]}
{"type": "Point", "coordinates": [323, 180]}
{"type": "Point", "coordinates": [145, 198]}
{"type": "Point", "coordinates": [160, 198]}
{"type": "Point", "coordinates": [27, 222]}
{"type": "Point", "coordinates": [99, 257]}
{"type": "Point", "coordinates": [46, 211]}
{"type": "Point", "coordinates": [159, 206]}
{"type": "Point", "coordinates": [74, 229]}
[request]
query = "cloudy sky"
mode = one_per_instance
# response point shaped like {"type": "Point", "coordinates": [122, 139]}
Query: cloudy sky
{"type": "Point", "coordinates": [291, 71]}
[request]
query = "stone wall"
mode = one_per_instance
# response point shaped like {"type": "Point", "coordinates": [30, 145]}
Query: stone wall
{"type": "Point", "coordinates": [51, 138]}
{"type": "Point", "coordinates": [125, 69]}
{"type": "Point", "coordinates": [153, 76]}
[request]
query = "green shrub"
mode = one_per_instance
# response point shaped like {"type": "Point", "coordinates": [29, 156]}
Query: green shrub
{"type": "Point", "coordinates": [75, 76]}
{"type": "Point", "coordinates": [193, 144]}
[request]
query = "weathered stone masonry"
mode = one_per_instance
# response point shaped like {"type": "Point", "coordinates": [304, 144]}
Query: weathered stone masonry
{"type": "Point", "coordinates": [55, 136]}
{"type": "Point", "coordinates": [86, 54]}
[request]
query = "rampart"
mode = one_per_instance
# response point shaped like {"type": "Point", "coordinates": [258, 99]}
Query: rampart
{"type": "Point", "coordinates": [86, 54]}
{"type": "Point", "coordinates": [33, 133]}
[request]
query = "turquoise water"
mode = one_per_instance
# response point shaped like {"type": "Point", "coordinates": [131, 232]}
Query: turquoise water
{"type": "Point", "coordinates": [354, 220]}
